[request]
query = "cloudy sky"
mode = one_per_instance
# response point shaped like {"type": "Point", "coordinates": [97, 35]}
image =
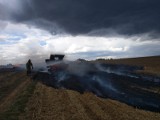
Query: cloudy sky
{"type": "Point", "coordinates": [86, 29]}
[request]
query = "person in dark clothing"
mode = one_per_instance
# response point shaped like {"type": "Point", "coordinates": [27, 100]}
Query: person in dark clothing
{"type": "Point", "coordinates": [29, 67]}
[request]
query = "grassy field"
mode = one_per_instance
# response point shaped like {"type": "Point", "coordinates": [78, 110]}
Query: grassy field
{"type": "Point", "coordinates": [15, 91]}
{"type": "Point", "coordinates": [21, 98]}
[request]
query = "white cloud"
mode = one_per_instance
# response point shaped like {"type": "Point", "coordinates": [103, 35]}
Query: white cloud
{"type": "Point", "coordinates": [23, 43]}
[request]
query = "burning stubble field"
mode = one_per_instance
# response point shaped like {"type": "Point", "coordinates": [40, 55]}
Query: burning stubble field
{"type": "Point", "coordinates": [26, 99]}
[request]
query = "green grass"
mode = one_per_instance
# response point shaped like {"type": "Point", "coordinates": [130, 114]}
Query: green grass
{"type": "Point", "coordinates": [18, 106]}
{"type": "Point", "coordinates": [9, 85]}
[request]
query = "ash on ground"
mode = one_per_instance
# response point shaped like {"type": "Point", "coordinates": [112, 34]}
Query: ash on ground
{"type": "Point", "coordinates": [119, 82]}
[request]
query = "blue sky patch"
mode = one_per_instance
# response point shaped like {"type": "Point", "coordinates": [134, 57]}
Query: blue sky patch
{"type": "Point", "coordinates": [42, 43]}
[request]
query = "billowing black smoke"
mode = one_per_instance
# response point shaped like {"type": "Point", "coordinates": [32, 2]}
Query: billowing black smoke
{"type": "Point", "coordinates": [105, 80]}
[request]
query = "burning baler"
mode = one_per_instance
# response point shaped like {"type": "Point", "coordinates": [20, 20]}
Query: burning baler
{"type": "Point", "coordinates": [55, 63]}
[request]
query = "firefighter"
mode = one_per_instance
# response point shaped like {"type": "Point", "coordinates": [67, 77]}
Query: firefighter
{"type": "Point", "coordinates": [29, 67]}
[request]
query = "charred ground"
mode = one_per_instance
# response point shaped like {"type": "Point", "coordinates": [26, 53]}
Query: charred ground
{"type": "Point", "coordinates": [21, 100]}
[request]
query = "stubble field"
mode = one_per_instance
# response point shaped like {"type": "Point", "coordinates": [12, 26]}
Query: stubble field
{"type": "Point", "coordinates": [25, 99]}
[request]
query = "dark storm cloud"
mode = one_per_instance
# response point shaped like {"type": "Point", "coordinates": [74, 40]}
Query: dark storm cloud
{"type": "Point", "coordinates": [127, 17]}
{"type": "Point", "coordinates": [2, 12]}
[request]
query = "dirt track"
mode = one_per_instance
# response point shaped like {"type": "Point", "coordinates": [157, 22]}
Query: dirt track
{"type": "Point", "coordinates": [58, 104]}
